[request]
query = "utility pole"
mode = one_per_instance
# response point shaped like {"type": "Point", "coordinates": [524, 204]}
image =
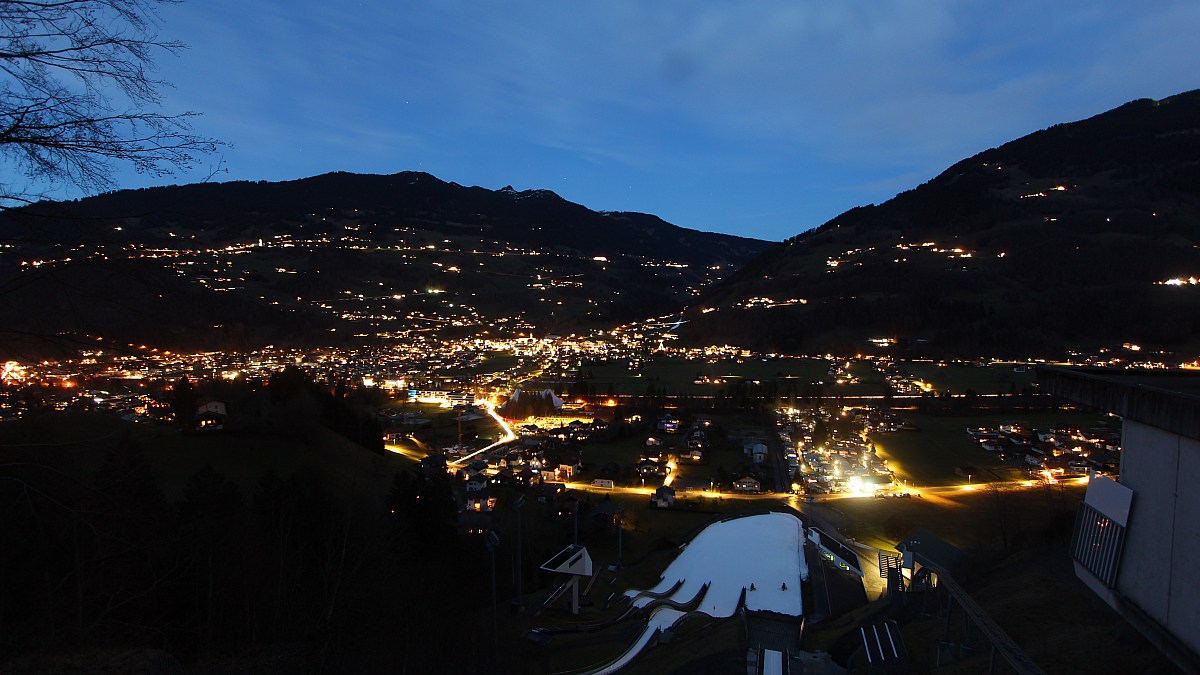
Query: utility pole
{"type": "Point", "coordinates": [620, 531]}
{"type": "Point", "coordinates": [490, 541]}
{"type": "Point", "coordinates": [517, 505]}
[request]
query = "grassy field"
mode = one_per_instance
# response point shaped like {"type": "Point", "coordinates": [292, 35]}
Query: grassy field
{"type": "Point", "coordinates": [78, 445]}
{"type": "Point", "coordinates": [928, 456]}
{"type": "Point", "coordinates": [1030, 591]}
{"type": "Point", "coordinates": [865, 372]}
{"type": "Point", "coordinates": [679, 375]}
{"type": "Point", "coordinates": [969, 519]}
{"type": "Point", "coordinates": [318, 453]}
{"type": "Point", "coordinates": [621, 451]}
{"type": "Point", "coordinates": [493, 362]}
{"type": "Point", "coordinates": [957, 379]}
{"type": "Point", "coordinates": [72, 443]}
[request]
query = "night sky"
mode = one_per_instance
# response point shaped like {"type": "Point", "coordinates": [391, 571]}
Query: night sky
{"type": "Point", "coordinates": [759, 117]}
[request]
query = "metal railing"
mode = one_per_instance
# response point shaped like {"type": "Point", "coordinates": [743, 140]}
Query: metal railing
{"type": "Point", "coordinates": [1097, 544]}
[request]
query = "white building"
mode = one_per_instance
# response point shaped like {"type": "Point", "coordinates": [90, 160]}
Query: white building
{"type": "Point", "coordinates": [1137, 539]}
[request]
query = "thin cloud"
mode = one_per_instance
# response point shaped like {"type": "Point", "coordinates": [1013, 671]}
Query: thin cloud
{"type": "Point", "coordinates": [628, 102]}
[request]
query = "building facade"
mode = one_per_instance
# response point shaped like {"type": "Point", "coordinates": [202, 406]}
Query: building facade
{"type": "Point", "coordinates": [1137, 538]}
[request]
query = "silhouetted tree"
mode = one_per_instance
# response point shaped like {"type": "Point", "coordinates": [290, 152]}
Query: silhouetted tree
{"type": "Point", "coordinates": [79, 96]}
{"type": "Point", "coordinates": [210, 518]}
{"type": "Point", "coordinates": [183, 402]}
{"type": "Point", "coordinates": [1001, 516]}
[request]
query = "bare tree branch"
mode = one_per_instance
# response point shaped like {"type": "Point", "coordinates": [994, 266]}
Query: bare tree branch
{"type": "Point", "coordinates": [77, 96]}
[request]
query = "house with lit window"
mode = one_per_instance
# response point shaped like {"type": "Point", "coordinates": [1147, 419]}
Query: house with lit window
{"type": "Point", "coordinates": [747, 484]}
{"type": "Point", "coordinates": [476, 482]}
{"type": "Point", "coordinates": [1137, 538]}
{"type": "Point", "coordinates": [481, 501]}
{"type": "Point", "coordinates": [210, 416]}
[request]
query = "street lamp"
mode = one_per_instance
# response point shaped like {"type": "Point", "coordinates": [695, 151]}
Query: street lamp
{"type": "Point", "coordinates": [490, 541]}
{"type": "Point", "coordinates": [517, 505]}
{"type": "Point", "coordinates": [620, 528]}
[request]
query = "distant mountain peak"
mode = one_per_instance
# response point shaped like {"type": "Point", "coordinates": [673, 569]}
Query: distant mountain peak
{"type": "Point", "coordinates": [344, 254]}
{"type": "Point", "coordinates": [512, 193]}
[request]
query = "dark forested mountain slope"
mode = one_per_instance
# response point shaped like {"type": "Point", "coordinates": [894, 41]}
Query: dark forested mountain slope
{"type": "Point", "coordinates": [538, 218]}
{"type": "Point", "coordinates": [1066, 238]}
{"type": "Point", "coordinates": [342, 258]}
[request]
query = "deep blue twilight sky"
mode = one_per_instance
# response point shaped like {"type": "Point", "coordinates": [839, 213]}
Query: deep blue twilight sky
{"type": "Point", "coordinates": [757, 117]}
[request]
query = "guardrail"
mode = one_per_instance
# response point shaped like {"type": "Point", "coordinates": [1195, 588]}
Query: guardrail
{"type": "Point", "coordinates": [1000, 642]}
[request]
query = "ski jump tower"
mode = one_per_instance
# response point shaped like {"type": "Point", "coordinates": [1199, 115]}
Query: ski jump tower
{"type": "Point", "coordinates": [574, 561]}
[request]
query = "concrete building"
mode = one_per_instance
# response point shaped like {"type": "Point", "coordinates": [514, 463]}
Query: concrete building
{"type": "Point", "coordinates": [1137, 539]}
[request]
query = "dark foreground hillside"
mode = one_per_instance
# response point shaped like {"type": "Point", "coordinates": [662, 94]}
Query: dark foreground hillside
{"type": "Point", "coordinates": [281, 547]}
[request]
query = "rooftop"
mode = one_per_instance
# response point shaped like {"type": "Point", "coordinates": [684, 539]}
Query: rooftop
{"type": "Point", "coordinates": [1168, 400]}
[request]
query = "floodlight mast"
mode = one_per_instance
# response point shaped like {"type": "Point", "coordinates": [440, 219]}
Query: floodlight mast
{"type": "Point", "coordinates": [518, 505]}
{"type": "Point", "coordinates": [490, 541]}
{"type": "Point", "coordinates": [620, 528]}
